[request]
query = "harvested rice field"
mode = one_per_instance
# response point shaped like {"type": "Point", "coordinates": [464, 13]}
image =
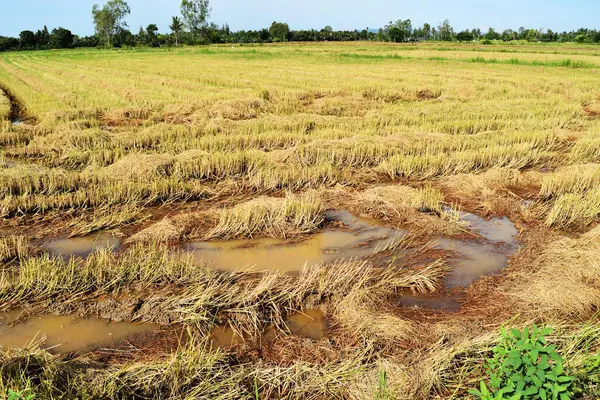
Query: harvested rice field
{"type": "Point", "coordinates": [323, 221]}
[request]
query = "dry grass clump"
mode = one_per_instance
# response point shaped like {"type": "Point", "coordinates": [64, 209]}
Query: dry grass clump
{"type": "Point", "coordinates": [575, 210]}
{"type": "Point", "coordinates": [200, 164]}
{"type": "Point", "coordinates": [362, 312]}
{"type": "Point", "coordinates": [287, 176]}
{"type": "Point", "coordinates": [140, 167]}
{"type": "Point", "coordinates": [490, 192]}
{"type": "Point", "coordinates": [417, 207]}
{"type": "Point", "coordinates": [592, 110]}
{"type": "Point", "coordinates": [339, 107]}
{"type": "Point", "coordinates": [163, 231]}
{"type": "Point", "coordinates": [4, 106]}
{"type": "Point", "coordinates": [25, 180]}
{"type": "Point", "coordinates": [104, 194]}
{"type": "Point", "coordinates": [573, 179]}
{"type": "Point", "coordinates": [264, 216]}
{"type": "Point", "coordinates": [586, 149]}
{"type": "Point", "coordinates": [237, 109]}
{"type": "Point", "coordinates": [14, 248]}
{"type": "Point", "coordinates": [575, 263]}
{"type": "Point", "coordinates": [431, 165]}
{"type": "Point", "coordinates": [380, 200]}
{"type": "Point", "coordinates": [401, 94]}
{"type": "Point", "coordinates": [105, 217]}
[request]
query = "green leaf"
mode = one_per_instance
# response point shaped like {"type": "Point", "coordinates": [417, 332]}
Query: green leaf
{"type": "Point", "coordinates": [558, 370]}
{"type": "Point", "coordinates": [536, 381]}
{"type": "Point", "coordinates": [475, 392]}
{"type": "Point", "coordinates": [495, 381]}
{"type": "Point", "coordinates": [516, 333]}
{"type": "Point", "coordinates": [541, 374]}
{"type": "Point", "coordinates": [531, 391]}
{"type": "Point", "coordinates": [542, 394]}
{"type": "Point", "coordinates": [484, 390]}
{"type": "Point", "coordinates": [547, 331]}
{"type": "Point", "coordinates": [565, 379]}
{"type": "Point", "coordinates": [555, 356]}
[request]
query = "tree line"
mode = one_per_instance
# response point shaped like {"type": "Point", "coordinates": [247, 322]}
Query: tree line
{"type": "Point", "coordinates": [194, 27]}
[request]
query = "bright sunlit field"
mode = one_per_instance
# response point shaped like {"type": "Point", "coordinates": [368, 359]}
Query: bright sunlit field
{"type": "Point", "coordinates": [219, 192]}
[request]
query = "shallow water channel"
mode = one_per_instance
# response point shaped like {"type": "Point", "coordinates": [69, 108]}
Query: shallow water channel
{"type": "Point", "coordinates": [360, 238]}
{"type": "Point", "coordinates": [64, 333]}
{"type": "Point", "coordinates": [358, 241]}
{"type": "Point", "coordinates": [81, 246]}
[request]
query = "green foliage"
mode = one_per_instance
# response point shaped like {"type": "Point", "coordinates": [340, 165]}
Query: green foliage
{"type": "Point", "coordinates": [279, 31]}
{"type": "Point", "coordinates": [588, 376]}
{"type": "Point", "coordinates": [19, 395]}
{"type": "Point", "coordinates": [110, 19]}
{"type": "Point", "coordinates": [195, 14]}
{"type": "Point", "coordinates": [525, 366]}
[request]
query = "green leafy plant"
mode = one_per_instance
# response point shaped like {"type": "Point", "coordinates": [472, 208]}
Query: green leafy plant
{"type": "Point", "coordinates": [525, 366]}
{"type": "Point", "coordinates": [588, 376]}
{"type": "Point", "coordinates": [20, 395]}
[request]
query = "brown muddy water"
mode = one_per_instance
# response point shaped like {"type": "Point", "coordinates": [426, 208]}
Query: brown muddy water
{"type": "Point", "coordinates": [81, 246]}
{"type": "Point", "coordinates": [472, 259]}
{"type": "Point", "coordinates": [309, 324]}
{"type": "Point", "coordinates": [65, 334]}
{"type": "Point", "coordinates": [269, 254]}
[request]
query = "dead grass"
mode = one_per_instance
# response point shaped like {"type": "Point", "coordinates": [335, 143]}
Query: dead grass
{"type": "Point", "coordinates": [140, 167]}
{"type": "Point", "coordinates": [277, 218]}
{"type": "Point", "coordinates": [395, 138]}
{"type": "Point", "coordinates": [572, 262]}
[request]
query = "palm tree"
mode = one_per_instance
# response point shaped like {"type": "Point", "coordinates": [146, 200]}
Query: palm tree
{"type": "Point", "coordinates": [176, 27]}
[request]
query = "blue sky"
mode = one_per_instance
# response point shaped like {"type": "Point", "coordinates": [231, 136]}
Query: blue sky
{"type": "Point", "coordinates": [558, 15]}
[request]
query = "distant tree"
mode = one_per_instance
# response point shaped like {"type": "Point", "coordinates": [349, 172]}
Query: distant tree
{"type": "Point", "coordinates": [445, 31]}
{"type": "Point", "coordinates": [151, 38]}
{"type": "Point", "coordinates": [279, 31]}
{"type": "Point", "coordinates": [110, 19]}
{"type": "Point", "coordinates": [123, 37]}
{"type": "Point", "coordinates": [195, 14]}
{"type": "Point", "coordinates": [61, 38]}
{"type": "Point", "coordinates": [27, 40]}
{"type": "Point", "coordinates": [476, 33]}
{"type": "Point", "coordinates": [509, 35]}
{"type": "Point", "coordinates": [426, 31]}
{"type": "Point", "coordinates": [532, 35]}
{"type": "Point", "coordinates": [398, 31]}
{"type": "Point", "coordinates": [464, 36]}
{"type": "Point", "coordinates": [141, 36]}
{"type": "Point", "coordinates": [42, 38]}
{"type": "Point", "coordinates": [492, 35]}
{"type": "Point", "coordinates": [176, 27]}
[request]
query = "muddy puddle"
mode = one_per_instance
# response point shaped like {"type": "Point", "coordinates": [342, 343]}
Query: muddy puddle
{"type": "Point", "coordinates": [360, 240]}
{"type": "Point", "coordinates": [309, 324]}
{"type": "Point", "coordinates": [66, 334]}
{"type": "Point", "coordinates": [482, 255]}
{"type": "Point", "coordinates": [81, 246]}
